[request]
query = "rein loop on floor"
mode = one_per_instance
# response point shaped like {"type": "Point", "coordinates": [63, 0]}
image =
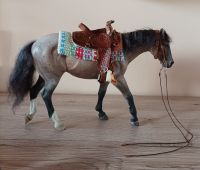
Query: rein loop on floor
{"type": "Point", "coordinates": [179, 126]}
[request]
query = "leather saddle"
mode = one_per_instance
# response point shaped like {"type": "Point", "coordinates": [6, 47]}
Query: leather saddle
{"type": "Point", "coordinates": [98, 38]}
{"type": "Point", "coordinates": [104, 40]}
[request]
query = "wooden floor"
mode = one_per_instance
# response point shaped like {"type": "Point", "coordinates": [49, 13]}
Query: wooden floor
{"type": "Point", "coordinates": [88, 143]}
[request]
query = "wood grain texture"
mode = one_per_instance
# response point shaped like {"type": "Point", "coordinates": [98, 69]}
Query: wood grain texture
{"type": "Point", "coordinates": [88, 143]}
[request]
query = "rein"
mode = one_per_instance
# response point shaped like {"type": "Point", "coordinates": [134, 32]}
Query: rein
{"type": "Point", "coordinates": [179, 126]}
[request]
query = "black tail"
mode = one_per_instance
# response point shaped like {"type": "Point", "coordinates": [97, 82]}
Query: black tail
{"type": "Point", "coordinates": [21, 77]}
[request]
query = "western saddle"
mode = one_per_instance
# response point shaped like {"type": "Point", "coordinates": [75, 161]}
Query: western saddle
{"type": "Point", "coordinates": [104, 40]}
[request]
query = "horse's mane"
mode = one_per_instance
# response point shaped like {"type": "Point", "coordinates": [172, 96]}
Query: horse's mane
{"type": "Point", "coordinates": [141, 37]}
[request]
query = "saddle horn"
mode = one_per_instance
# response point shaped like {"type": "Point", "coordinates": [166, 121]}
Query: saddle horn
{"type": "Point", "coordinates": [109, 28]}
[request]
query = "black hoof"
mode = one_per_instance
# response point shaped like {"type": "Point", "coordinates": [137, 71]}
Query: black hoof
{"type": "Point", "coordinates": [103, 116]}
{"type": "Point", "coordinates": [134, 123]}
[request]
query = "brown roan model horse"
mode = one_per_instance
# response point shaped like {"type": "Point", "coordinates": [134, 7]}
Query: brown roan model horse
{"type": "Point", "coordinates": [41, 56]}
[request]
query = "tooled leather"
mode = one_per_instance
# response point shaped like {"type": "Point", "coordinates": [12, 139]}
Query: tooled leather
{"type": "Point", "coordinates": [92, 39]}
{"type": "Point", "coordinates": [104, 40]}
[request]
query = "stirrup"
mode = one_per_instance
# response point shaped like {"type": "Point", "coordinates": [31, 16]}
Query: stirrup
{"type": "Point", "coordinates": [109, 76]}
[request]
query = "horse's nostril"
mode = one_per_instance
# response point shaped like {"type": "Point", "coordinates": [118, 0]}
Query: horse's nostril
{"type": "Point", "coordinates": [172, 62]}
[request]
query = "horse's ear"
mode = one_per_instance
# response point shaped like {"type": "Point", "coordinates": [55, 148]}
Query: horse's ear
{"type": "Point", "coordinates": [162, 33]}
{"type": "Point", "coordinates": [164, 36]}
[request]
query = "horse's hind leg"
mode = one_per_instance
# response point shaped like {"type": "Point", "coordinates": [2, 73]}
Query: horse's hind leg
{"type": "Point", "coordinates": [33, 95]}
{"type": "Point", "coordinates": [47, 92]}
{"type": "Point", "coordinates": [101, 94]}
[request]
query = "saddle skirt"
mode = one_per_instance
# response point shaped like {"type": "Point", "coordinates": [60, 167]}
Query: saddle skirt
{"type": "Point", "coordinates": [67, 47]}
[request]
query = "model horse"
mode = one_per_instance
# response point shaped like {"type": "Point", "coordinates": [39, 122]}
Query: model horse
{"type": "Point", "coordinates": [42, 56]}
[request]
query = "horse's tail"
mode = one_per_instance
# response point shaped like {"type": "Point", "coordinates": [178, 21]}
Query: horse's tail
{"type": "Point", "coordinates": [21, 77]}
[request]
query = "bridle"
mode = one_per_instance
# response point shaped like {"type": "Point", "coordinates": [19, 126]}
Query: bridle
{"type": "Point", "coordinates": [159, 48]}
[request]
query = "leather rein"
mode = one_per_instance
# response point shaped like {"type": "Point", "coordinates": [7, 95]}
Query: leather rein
{"type": "Point", "coordinates": [179, 126]}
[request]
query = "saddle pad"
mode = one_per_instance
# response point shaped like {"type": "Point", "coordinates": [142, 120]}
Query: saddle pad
{"type": "Point", "coordinates": [67, 47]}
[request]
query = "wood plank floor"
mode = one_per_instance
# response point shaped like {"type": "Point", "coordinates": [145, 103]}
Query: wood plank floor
{"type": "Point", "coordinates": [88, 143]}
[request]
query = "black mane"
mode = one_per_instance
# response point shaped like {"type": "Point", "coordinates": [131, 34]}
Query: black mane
{"type": "Point", "coordinates": [143, 38]}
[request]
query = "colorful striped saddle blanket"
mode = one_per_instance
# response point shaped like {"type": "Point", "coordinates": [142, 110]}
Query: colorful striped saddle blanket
{"type": "Point", "coordinates": [67, 47]}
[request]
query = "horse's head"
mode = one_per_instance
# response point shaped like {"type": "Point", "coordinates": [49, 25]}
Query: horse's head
{"type": "Point", "coordinates": [161, 48]}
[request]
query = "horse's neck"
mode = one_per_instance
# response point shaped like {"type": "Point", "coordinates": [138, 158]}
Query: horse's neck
{"type": "Point", "coordinates": [130, 56]}
{"type": "Point", "coordinates": [136, 43]}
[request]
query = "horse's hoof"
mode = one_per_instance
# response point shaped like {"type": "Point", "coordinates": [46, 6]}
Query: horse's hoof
{"type": "Point", "coordinates": [28, 118]}
{"type": "Point", "coordinates": [103, 117]}
{"type": "Point", "coordinates": [60, 127]}
{"type": "Point", "coordinates": [134, 123]}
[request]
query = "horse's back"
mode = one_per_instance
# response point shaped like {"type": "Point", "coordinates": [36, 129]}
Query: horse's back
{"type": "Point", "coordinates": [47, 60]}
{"type": "Point", "coordinates": [45, 44]}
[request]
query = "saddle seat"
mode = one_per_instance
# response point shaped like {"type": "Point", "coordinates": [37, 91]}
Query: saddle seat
{"type": "Point", "coordinates": [91, 38]}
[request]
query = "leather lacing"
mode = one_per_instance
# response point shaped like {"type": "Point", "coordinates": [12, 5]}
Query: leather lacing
{"type": "Point", "coordinates": [180, 127]}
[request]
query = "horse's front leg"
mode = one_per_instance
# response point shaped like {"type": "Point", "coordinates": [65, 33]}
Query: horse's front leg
{"type": "Point", "coordinates": [101, 94]}
{"type": "Point", "coordinates": [122, 85]}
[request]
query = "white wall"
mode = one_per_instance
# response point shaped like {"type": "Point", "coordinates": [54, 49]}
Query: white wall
{"type": "Point", "coordinates": [24, 20]}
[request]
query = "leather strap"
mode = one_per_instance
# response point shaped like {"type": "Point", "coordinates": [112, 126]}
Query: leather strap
{"type": "Point", "coordinates": [160, 52]}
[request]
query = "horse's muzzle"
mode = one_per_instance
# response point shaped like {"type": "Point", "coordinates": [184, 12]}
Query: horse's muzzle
{"type": "Point", "coordinates": [169, 64]}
